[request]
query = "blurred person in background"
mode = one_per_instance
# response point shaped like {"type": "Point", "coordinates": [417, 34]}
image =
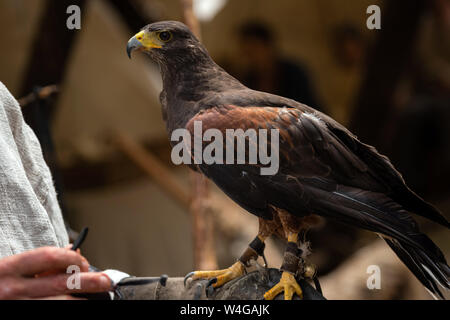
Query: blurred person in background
{"type": "Point", "coordinates": [433, 56]}
{"type": "Point", "coordinates": [348, 45]}
{"type": "Point", "coordinates": [348, 49]}
{"type": "Point", "coordinates": [421, 147]}
{"type": "Point", "coordinates": [268, 71]}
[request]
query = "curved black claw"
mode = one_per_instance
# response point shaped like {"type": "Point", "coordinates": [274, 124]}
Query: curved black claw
{"type": "Point", "coordinates": [211, 282]}
{"type": "Point", "coordinates": [186, 277]}
{"type": "Point", "coordinates": [198, 291]}
{"type": "Point", "coordinates": [265, 261]}
{"type": "Point", "coordinates": [317, 284]}
{"type": "Point", "coordinates": [209, 289]}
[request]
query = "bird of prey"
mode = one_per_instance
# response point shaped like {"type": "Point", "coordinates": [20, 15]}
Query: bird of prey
{"type": "Point", "coordinates": [324, 170]}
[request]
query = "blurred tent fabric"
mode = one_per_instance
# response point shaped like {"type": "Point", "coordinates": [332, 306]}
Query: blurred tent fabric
{"type": "Point", "coordinates": [101, 82]}
{"type": "Point", "coordinates": [133, 223]}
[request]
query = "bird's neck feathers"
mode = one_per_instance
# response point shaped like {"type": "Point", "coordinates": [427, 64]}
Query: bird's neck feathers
{"type": "Point", "coordinates": [191, 81]}
{"type": "Point", "coordinates": [190, 75]}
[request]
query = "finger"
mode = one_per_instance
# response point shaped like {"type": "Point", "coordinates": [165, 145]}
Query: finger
{"type": "Point", "coordinates": [62, 284]}
{"type": "Point", "coordinates": [92, 282]}
{"type": "Point", "coordinates": [70, 246]}
{"type": "Point", "coordinates": [42, 260]}
{"type": "Point", "coordinates": [85, 263]}
{"type": "Point", "coordinates": [84, 268]}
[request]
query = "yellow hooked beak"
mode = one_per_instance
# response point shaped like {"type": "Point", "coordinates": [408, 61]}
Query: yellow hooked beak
{"type": "Point", "coordinates": [143, 41]}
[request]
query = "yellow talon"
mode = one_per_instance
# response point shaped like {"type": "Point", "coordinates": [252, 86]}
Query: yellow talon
{"type": "Point", "coordinates": [288, 284]}
{"type": "Point", "coordinates": [223, 276]}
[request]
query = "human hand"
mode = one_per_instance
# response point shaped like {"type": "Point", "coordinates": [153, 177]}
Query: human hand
{"type": "Point", "coordinates": [42, 274]}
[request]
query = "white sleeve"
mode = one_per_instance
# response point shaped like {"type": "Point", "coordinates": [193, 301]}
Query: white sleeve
{"type": "Point", "coordinates": [30, 216]}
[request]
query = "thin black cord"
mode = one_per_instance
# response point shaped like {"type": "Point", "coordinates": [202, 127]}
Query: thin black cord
{"type": "Point", "coordinates": [81, 237]}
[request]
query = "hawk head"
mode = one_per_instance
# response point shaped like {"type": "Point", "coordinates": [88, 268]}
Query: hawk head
{"type": "Point", "coordinates": [168, 43]}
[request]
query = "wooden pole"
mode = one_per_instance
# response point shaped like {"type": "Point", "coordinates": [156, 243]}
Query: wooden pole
{"type": "Point", "coordinates": [202, 221]}
{"type": "Point", "coordinates": [153, 167]}
{"type": "Point", "coordinates": [52, 47]}
{"type": "Point", "coordinates": [190, 19]}
{"type": "Point", "coordinates": [46, 66]}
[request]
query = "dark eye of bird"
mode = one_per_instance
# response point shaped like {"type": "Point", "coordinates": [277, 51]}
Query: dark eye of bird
{"type": "Point", "coordinates": [165, 36]}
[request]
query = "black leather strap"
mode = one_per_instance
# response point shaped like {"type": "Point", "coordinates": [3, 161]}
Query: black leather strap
{"type": "Point", "coordinates": [292, 260]}
{"type": "Point", "coordinates": [294, 249]}
{"type": "Point", "coordinates": [255, 249]}
{"type": "Point", "coordinates": [258, 246]}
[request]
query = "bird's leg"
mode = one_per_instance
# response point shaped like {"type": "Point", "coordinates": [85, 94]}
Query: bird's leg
{"type": "Point", "coordinates": [291, 264]}
{"type": "Point", "coordinates": [257, 246]}
{"type": "Point", "coordinates": [222, 276]}
{"type": "Point", "coordinates": [255, 249]}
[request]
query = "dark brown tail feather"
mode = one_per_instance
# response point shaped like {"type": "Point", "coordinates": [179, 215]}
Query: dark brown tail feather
{"type": "Point", "coordinates": [377, 213]}
{"type": "Point", "coordinates": [415, 204]}
{"type": "Point", "coordinates": [428, 265]}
